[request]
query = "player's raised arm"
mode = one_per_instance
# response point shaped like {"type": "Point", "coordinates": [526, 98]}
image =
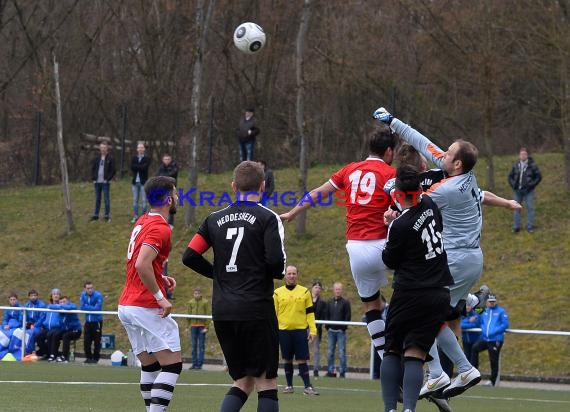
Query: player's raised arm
{"type": "Point", "coordinates": [316, 196]}
{"type": "Point", "coordinates": [425, 146]}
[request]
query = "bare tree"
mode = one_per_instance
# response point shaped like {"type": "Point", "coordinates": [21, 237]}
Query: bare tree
{"type": "Point", "coordinates": [202, 23]}
{"type": "Point", "coordinates": [300, 225]}
{"type": "Point", "coordinates": [61, 149]}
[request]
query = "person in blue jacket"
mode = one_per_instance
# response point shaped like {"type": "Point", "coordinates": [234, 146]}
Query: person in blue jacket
{"type": "Point", "coordinates": [494, 321]}
{"type": "Point", "coordinates": [34, 318]}
{"type": "Point", "coordinates": [51, 325]}
{"type": "Point", "coordinates": [12, 318]}
{"type": "Point", "coordinates": [71, 328]}
{"type": "Point", "coordinates": [92, 300]}
{"type": "Point", "coordinates": [469, 321]}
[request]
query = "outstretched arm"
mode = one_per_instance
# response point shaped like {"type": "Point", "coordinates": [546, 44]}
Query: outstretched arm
{"type": "Point", "coordinates": [316, 195]}
{"type": "Point", "coordinates": [491, 199]}
{"type": "Point", "coordinates": [420, 142]}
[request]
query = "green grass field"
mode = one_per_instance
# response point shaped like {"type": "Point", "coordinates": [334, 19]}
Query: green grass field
{"type": "Point", "coordinates": [529, 273]}
{"type": "Point", "coordinates": [81, 388]}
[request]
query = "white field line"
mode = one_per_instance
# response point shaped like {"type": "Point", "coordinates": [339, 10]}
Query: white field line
{"type": "Point", "coordinates": [495, 398]}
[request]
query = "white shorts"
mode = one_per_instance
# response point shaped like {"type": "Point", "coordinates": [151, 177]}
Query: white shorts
{"type": "Point", "coordinates": [147, 331]}
{"type": "Point", "coordinates": [466, 266]}
{"type": "Point", "coordinates": [366, 265]}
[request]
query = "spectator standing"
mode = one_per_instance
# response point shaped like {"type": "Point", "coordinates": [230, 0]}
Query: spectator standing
{"type": "Point", "coordinates": [338, 309]}
{"type": "Point", "coordinates": [469, 321]}
{"type": "Point", "coordinates": [92, 300]}
{"type": "Point", "coordinates": [12, 318]}
{"type": "Point", "coordinates": [247, 132]}
{"type": "Point", "coordinates": [242, 307]}
{"type": "Point", "coordinates": [139, 166]}
{"type": "Point", "coordinates": [198, 327]}
{"type": "Point", "coordinates": [523, 178]}
{"type": "Point", "coordinates": [296, 314]}
{"type": "Point", "coordinates": [169, 168]}
{"type": "Point", "coordinates": [269, 179]}
{"type": "Point", "coordinates": [102, 172]}
{"type": "Point", "coordinates": [494, 321]}
{"type": "Point", "coordinates": [320, 306]}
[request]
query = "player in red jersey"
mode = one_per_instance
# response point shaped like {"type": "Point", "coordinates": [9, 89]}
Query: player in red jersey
{"type": "Point", "coordinates": [362, 187]}
{"type": "Point", "coordinates": [143, 307]}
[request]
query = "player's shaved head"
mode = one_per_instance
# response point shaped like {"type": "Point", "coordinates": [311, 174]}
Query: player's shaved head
{"type": "Point", "coordinates": [248, 176]}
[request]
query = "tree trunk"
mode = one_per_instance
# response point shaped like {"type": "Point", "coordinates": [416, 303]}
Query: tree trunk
{"type": "Point", "coordinates": [61, 149]}
{"type": "Point", "coordinates": [487, 128]}
{"type": "Point", "coordinates": [202, 23]}
{"type": "Point", "coordinates": [301, 221]}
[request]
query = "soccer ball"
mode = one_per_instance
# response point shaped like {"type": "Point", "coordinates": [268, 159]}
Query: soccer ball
{"type": "Point", "coordinates": [249, 38]}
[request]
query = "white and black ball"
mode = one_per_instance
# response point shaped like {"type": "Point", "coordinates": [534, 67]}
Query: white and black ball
{"type": "Point", "coordinates": [249, 38]}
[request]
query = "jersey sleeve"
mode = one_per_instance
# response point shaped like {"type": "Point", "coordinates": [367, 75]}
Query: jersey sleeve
{"type": "Point", "coordinates": [310, 310]}
{"type": "Point", "coordinates": [204, 232]}
{"type": "Point", "coordinates": [156, 237]}
{"type": "Point", "coordinates": [437, 194]}
{"type": "Point", "coordinates": [395, 246]}
{"type": "Point", "coordinates": [425, 146]}
{"type": "Point", "coordinates": [337, 179]}
{"type": "Point", "coordinates": [275, 256]}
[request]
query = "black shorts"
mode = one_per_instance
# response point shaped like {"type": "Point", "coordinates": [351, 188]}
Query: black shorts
{"type": "Point", "coordinates": [294, 343]}
{"type": "Point", "coordinates": [415, 318]}
{"type": "Point", "coordinates": [251, 347]}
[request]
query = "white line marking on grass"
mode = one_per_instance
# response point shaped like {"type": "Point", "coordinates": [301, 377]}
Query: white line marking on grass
{"type": "Point", "coordinates": [226, 385]}
{"type": "Point", "coordinates": [497, 398]}
{"type": "Point", "coordinates": [113, 383]}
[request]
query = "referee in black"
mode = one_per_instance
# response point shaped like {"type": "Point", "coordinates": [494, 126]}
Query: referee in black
{"type": "Point", "coordinates": [420, 301]}
{"type": "Point", "coordinates": [247, 241]}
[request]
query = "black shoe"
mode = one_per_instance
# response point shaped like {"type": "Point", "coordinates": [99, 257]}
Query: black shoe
{"type": "Point", "coordinates": [107, 219]}
{"type": "Point", "coordinates": [316, 374]}
{"type": "Point", "coordinates": [342, 375]}
{"type": "Point", "coordinates": [331, 375]}
{"type": "Point", "coordinates": [94, 218]}
{"type": "Point", "coordinates": [530, 230]}
{"type": "Point", "coordinates": [441, 403]}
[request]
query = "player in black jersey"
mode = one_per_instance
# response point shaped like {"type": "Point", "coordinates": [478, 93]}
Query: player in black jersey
{"type": "Point", "coordinates": [418, 308]}
{"type": "Point", "coordinates": [247, 240]}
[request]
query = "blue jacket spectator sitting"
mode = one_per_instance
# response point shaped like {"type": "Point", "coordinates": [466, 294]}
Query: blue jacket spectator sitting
{"type": "Point", "coordinates": [71, 328]}
{"type": "Point", "coordinates": [51, 324]}
{"type": "Point", "coordinates": [34, 319]}
{"type": "Point", "coordinates": [12, 318]}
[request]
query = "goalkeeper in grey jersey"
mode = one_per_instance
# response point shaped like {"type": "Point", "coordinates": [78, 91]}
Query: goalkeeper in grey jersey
{"type": "Point", "coordinates": [459, 200]}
